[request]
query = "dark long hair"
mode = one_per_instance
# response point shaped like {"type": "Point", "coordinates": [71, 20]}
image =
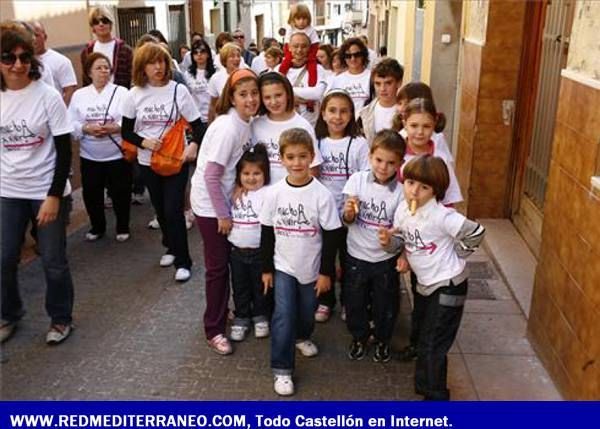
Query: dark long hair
{"type": "Point", "coordinates": [352, 129]}
{"type": "Point", "coordinates": [210, 65]}
{"type": "Point", "coordinates": [255, 155]}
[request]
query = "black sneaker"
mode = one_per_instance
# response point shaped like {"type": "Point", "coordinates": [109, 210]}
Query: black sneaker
{"type": "Point", "coordinates": [382, 353]}
{"type": "Point", "coordinates": [357, 350]}
{"type": "Point", "coordinates": [408, 353]}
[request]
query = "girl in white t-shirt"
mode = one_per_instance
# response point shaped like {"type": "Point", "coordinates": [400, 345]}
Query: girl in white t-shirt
{"type": "Point", "coordinates": [344, 151]}
{"type": "Point", "coordinates": [370, 277]}
{"type": "Point", "coordinates": [251, 304]}
{"type": "Point", "coordinates": [436, 241]}
{"type": "Point", "coordinates": [277, 115]}
{"type": "Point", "coordinates": [212, 187]}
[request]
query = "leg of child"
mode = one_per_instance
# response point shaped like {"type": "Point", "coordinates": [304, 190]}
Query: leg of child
{"type": "Point", "coordinates": [356, 298]}
{"type": "Point", "coordinates": [262, 305]}
{"type": "Point", "coordinates": [386, 301]}
{"type": "Point", "coordinates": [283, 324]}
{"type": "Point", "coordinates": [442, 315]}
{"type": "Point", "coordinates": [242, 286]}
{"type": "Point", "coordinates": [286, 63]}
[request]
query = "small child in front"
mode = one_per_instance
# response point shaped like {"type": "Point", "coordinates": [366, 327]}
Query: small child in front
{"type": "Point", "coordinates": [436, 240]}
{"type": "Point", "coordinates": [300, 225]}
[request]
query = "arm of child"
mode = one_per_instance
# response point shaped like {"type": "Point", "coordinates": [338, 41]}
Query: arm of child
{"type": "Point", "coordinates": [212, 175]}
{"type": "Point", "coordinates": [350, 210]}
{"type": "Point", "coordinates": [267, 251]}
{"type": "Point", "coordinates": [469, 237]}
{"type": "Point", "coordinates": [330, 244]}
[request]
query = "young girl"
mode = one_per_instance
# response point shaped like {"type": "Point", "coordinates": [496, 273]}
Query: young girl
{"type": "Point", "coordinates": [344, 152]}
{"type": "Point", "coordinates": [300, 22]}
{"type": "Point", "coordinates": [277, 115]}
{"type": "Point", "coordinates": [212, 185]}
{"type": "Point", "coordinates": [370, 275]}
{"type": "Point", "coordinates": [251, 305]}
{"type": "Point", "coordinates": [436, 239]}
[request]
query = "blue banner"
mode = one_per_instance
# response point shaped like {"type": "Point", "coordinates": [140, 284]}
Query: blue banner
{"type": "Point", "coordinates": [276, 415]}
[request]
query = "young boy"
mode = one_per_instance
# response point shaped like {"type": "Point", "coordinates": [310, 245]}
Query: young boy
{"type": "Point", "coordinates": [436, 239]}
{"type": "Point", "coordinates": [370, 275]}
{"type": "Point", "coordinates": [386, 77]}
{"type": "Point", "coordinates": [300, 224]}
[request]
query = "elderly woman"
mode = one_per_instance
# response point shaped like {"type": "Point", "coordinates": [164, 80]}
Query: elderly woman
{"type": "Point", "coordinates": [230, 56]}
{"type": "Point", "coordinates": [149, 109]}
{"type": "Point", "coordinates": [96, 116]}
{"type": "Point", "coordinates": [35, 160]}
{"type": "Point", "coordinates": [356, 80]}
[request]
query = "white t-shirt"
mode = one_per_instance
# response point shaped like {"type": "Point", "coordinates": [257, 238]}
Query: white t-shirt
{"type": "Point", "coordinates": [107, 49]}
{"type": "Point", "coordinates": [63, 74]}
{"type": "Point", "coordinates": [259, 64]}
{"type": "Point", "coordinates": [383, 117]}
{"type": "Point", "coordinates": [223, 143]}
{"type": "Point", "coordinates": [90, 107]}
{"type": "Point", "coordinates": [357, 85]}
{"type": "Point", "coordinates": [267, 132]}
{"type": "Point", "coordinates": [429, 238]}
{"type": "Point", "coordinates": [309, 31]}
{"type": "Point", "coordinates": [297, 215]}
{"type": "Point", "coordinates": [217, 83]}
{"type": "Point", "coordinates": [29, 118]}
{"type": "Point", "coordinates": [377, 204]}
{"type": "Point", "coordinates": [341, 159]}
{"type": "Point", "coordinates": [198, 87]}
{"type": "Point", "coordinates": [245, 232]}
{"type": "Point", "coordinates": [151, 107]}
{"type": "Point", "coordinates": [298, 77]}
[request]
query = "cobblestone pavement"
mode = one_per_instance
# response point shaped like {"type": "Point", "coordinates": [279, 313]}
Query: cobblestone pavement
{"type": "Point", "coordinates": [139, 336]}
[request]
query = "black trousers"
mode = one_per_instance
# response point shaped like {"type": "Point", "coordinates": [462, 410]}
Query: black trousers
{"type": "Point", "coordinates": [116, 177]}
{"type": "Point", "coordinates": [439, 319]}
{"type": "Point", "coordinates": [167, 194]}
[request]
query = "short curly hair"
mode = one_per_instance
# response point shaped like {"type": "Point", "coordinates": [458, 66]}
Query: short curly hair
{"type": "Point", "coordinates": [364, 51]}
{"type": "Point", "coordinates": [13, 35]}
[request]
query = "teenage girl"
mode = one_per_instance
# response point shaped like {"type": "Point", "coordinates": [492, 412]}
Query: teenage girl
{"type": "Point", "coordinates": [251, 304]}
{"type": "Point", "coordinates": [277, 115]}
{"type": "Point", "coordinates": [345, 151]}
{"type": "Point", "coordinates": [212, 185]}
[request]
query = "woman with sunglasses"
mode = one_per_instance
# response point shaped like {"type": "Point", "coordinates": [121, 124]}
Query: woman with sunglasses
{"type": "Point", "coordinates": [197, 76]}
{"type": "Point", "coordinates": [95, 112]}
{"type": "Point", "coordinates": [356, 80]}
{"type": "Point", "coordinates": [118, 52]}
{"type": "Point", "coordinates": [35, 160]}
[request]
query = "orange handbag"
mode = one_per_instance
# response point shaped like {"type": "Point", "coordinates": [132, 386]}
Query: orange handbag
{"type": "Point", "coordinates": [129, 151]}
{"type": "Point", "coordinates": [168, 160]}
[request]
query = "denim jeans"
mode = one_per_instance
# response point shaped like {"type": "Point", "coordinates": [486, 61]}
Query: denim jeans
{"type": "Point", "coordinates": [440, 314]}
{"type": "Point", "coordinates": [375, 282]}
{"type": "Point", "coordinates": [16, 214]}
{"type": "Point", "coordinates": [251, 304]}
{"type": "Point", "coordinates": [293, 319]}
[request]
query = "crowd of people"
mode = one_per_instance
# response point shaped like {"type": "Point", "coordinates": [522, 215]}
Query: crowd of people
{"type": "Point", "coordinates": [311, 166]}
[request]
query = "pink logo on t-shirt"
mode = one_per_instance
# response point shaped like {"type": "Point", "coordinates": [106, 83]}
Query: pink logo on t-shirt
{"type": "Point", "coordinates": [19, 137]}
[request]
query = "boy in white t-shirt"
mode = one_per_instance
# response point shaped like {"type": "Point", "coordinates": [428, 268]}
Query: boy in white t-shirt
{"type": "Point", "coordinates": [300, 224]}
{"type": "Point", "coordinates": [436, 240]}
{"type": "Point", "coordinates": [371, 198]}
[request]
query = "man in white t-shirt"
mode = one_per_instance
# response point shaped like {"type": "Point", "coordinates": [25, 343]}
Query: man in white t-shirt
{"type": "Point", "coordinates": [60, 67]}
{"type": "Point", "coordinates": [386, 77]}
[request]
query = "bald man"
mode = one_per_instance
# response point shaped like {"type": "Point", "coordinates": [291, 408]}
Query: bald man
{"type": "Point", "coordinates": [59, 66]}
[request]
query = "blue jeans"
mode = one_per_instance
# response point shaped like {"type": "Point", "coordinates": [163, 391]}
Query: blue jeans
{"type": "Point", "coordinates": [15, 214]}
{"type": "Point", "coordinates": [377, 283]}
{"type": "Point", "coordinates": [293, 319]}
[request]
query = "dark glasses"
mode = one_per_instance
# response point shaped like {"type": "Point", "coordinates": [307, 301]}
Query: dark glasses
{"type": "Point", "coordinates": [8, 58]}
{"type": "Point", "coordinates": [199, 51]}
{"type": "Point", "coordinates": [353, 55]}
{"type": "Point", "coordinates": [239, 36]}
{"type": "Point", "coordinates": [104, 20]}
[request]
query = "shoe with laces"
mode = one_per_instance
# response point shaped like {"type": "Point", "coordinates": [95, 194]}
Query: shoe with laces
{"type": "Point", "coordinates": [357, 350]}
{"type": "Point", "coordinates": [322, 314]}
{"type": "Point", "coordinates": [122, 237]}
{"type": "Point", "coordinates": [58, 333]}
{"type": "Point", "coordinates": [153, 224]}
{"type": "Point", "coordinates": [182, 274]}
{"type": "Point", "coordinates": [408, 353]}
{"type": "Point", "coordinates": [6, 329]}
{"type": "Point", "coordinates": [307, 348]}
{"type": "Point", "coordinates": [261, 329]}
{"type": "Point", "coordinates": [220, 345]}
{"type": "Point", "coordinates": [238, 332]}
{"type": "Point", "coordinates": [283, 385]}
{"type": "Point", "coordinates": [167, 260]}
{"type": "Point", "coordinates": [382, 353]}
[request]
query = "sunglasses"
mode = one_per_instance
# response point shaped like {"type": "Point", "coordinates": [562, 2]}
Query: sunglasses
{"type": "Point", "coordinates": [104, 20]}
{"type": "Point", "coordinates": [8, 58]}
{"type": "Point", "coordinates": [239, 36]}
{"type": "Point", "coordinates": [199, 51]}
{"type": "Point", "coordinates": [353, 55]}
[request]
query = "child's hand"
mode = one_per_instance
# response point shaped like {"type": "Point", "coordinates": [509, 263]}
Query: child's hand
{"type": "Point", "coordinates": [402, 265]}
{"type": "Point", "coordinates": [323, 284]}
{"type": "Point", "coordinates": [385, 236]}
{"type": "Point", "coordinates": [224, 226]}
{"type": "Point", "coordinates": [267, 280]}
{"type": "Point", "coordinates": [190, 153]}
{"type": "Point", "coordinates": [351, 208]}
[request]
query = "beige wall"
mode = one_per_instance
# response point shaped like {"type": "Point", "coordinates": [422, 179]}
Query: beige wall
{"type": "Point", "coordinates": [476, 18]}
{"type": "Point", "coordinates": [584, 49]}
{"type": "Point", "coordinates": [402, 33]}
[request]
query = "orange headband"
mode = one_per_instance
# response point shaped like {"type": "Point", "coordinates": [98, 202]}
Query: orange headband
{"type": "Point", "coordinates": [240, 74]}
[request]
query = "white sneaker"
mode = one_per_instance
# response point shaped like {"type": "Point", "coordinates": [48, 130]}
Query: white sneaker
{"type": "Point", "coordinates": [90, 236]}
{"type": "Point", "coordinates": [238, 332]}
{"type": "Point", "coordinates": [122, 237]}
{"type": "Point", "coordinates": [322, 314]}
{"type": "Point", "coordinates": [167, 260]}
{"type": "Point", "coordinates": [182, 274]}
{"type": "Point", "coordinates": [261, 329]}
{"type": "Point", "coordinates": [283, 385]}
{"type": "Point", "coordinates": [307, 348]}
{"type": "Point", "coordinates": [153, 224]}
